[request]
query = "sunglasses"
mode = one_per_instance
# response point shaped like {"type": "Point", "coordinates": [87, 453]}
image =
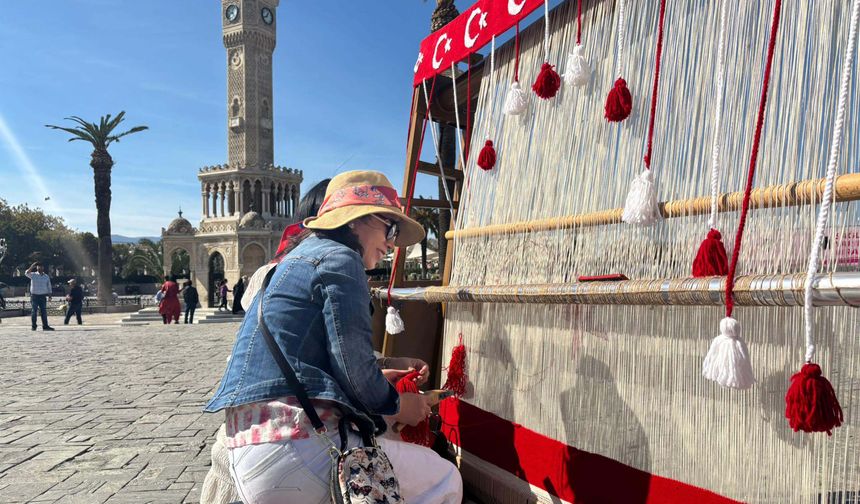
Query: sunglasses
{"type": "Point", "coordinates": [391, 228]}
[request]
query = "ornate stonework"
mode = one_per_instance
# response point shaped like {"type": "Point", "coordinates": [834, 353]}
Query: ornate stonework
{"type": "Point", "coordinates": [247, 202]}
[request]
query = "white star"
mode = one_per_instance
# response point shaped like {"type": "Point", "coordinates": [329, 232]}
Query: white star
{"type": "Point", "coordinates": [447, 45]}
{"type": "Point", "coordinates": [482, 22]}
{"type": "Point", "coordinates": [418, 62]}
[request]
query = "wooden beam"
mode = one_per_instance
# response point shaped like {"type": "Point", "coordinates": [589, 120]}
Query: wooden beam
{"type": "Point", "coordinates": [442, 106]}
{"type": "Point", "coordinates": [804, 192]}
{"type": "Point", "coordinates": [433, 169]}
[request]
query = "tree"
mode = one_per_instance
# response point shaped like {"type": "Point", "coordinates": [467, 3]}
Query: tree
{"type": "Point", "coordinates": [100, 136]}
{"type": "Point", "coordinates": [429, 219]}
{"type": "Point", "coordinates": [147, 257]}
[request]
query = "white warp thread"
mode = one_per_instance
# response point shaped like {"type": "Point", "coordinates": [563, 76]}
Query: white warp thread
{"type": "Point", "coordinates": [718, 118]}
{"type": "Point", "coordinates": [827, 197]}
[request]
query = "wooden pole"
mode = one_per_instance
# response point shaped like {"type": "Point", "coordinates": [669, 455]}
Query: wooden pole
{"type": "Point", "coordinates": [805, 192]}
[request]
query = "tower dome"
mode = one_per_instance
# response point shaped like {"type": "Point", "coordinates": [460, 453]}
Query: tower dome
{"type": "Point", "coordinates": [252, 220]}
{"type": "Point", "coordinates": [180, 225]}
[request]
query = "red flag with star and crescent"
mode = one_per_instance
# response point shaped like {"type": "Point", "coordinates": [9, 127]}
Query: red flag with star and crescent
{"type": "Point", "coordinates": [467, 33]}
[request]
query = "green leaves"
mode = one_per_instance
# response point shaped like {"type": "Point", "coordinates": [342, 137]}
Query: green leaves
{"type": "Point", "coordinates": [100, 135]}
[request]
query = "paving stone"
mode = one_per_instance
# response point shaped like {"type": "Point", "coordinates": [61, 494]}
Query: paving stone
{"type": "Point", "coordinates": [107, 414]}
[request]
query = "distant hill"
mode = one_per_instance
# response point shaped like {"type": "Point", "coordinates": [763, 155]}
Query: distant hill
{"type": "Point", "coordinates": [132, 239]}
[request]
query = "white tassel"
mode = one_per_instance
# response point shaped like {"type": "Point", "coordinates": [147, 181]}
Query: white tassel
{"type": "Point", "coordinates": [578, 72]}
{"type": "Point", "coordinates": [393, 322]}
{"type": "Point", "coordinates": [728, 360]}
{"type": "Point", "coordinates": [516, 101]}
{"type": "Point", "coordinates": [641, 205]}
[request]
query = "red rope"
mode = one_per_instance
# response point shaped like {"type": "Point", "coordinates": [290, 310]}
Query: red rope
{"type": "Point", "coordinates": [656, 82]}
{"type": "Point", "coordinates": [579, 23]}
{"type": "Point", "coordinates": [411, 190]}
{"type": "Point", "coordinates": [517, 54]}
{"type": "Point", "coordinates": [730, 281]}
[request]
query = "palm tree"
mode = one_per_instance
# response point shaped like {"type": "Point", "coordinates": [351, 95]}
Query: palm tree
{"type": "Point", "coordinates": [101, 135]}
{"type": "Point", "coordinates": [429, 219]}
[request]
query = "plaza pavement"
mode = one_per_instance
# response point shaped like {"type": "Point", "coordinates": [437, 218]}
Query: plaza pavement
{"type": "Point", "coordinates": [106, 414]}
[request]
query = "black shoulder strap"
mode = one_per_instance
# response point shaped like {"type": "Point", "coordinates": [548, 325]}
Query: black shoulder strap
{"type": "Point", "coordinates": [297, 386]}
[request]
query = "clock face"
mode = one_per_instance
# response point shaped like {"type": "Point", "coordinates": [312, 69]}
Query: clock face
{"type": "Point", "coordinates": [268, 17]}
{"type": "Point", "coordinates": [232, 12]}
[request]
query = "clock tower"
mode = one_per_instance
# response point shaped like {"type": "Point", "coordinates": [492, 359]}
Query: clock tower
{"type": "Point", "coordinates": [247, 202]}
{"type": "Point", "coordinates": [249, 37]}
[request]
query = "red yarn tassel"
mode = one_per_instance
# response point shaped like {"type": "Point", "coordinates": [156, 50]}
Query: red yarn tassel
{"type": "Point", "coordinates": [711, 260]}
{"type": "Point", "coordinates": [487, 157]}
{"type": "Point", "coordinates": [547, 83]}
{"type": "Point", "coordinates": [457, 377]}
{"type": "Point", "coordinates": [619, 103]}
{"type": "Point", "coordinates": [418, 434]}
{"type": "Point", "coordinates": [810, 403]}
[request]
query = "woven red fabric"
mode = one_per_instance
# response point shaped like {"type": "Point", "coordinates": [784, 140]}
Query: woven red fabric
{"type": "Point", "coordinates": [547, 83]}
{"type": "Point", "coordinates": [487, 157]}
{"type": "Point", "coordinates": [810, 403]}
{"type": "Point", "coordinates": [619, 102]}
{"type": "Point", "coordinates": [418, 434]}
{"type": "Point", "coordinates": [711, 259]}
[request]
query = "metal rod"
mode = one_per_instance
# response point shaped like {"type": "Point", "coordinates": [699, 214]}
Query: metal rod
{"type": "Point", "coordinates": [805, 192]}
{"type": "Point", "coordinates": [830, 289]}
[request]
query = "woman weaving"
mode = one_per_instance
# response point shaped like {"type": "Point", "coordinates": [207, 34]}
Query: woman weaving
{"type": "Point", "coordinates": [315, 306]}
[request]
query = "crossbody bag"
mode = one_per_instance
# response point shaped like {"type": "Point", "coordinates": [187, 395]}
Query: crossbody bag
{"type": "Point", "coordinates": [357, 474]}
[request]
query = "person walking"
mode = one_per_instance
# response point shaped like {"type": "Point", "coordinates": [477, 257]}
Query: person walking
{"type": "Point", "coordinates": [191, 298]}
{"type": "Point", "coordinates": [169, 307]}
{"type": "Point", "coordinates": [40, 291]}
{"type": "Point", "coordinates": [238, 292]}
{"type": "Point", "coordinates": [75, 301]}
{"type": "Point", "coordinates": [222, 294]}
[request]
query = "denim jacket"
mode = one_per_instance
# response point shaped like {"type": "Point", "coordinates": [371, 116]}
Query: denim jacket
{"type": "Point", "coordinates": [316, 309]}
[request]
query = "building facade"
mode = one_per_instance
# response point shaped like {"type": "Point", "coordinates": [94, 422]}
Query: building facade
{"type": "Point", "coordinates": [247, 202]}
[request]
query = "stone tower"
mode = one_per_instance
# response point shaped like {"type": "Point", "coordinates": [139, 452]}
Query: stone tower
{"type": "Point", "coordinates": [247, 202]}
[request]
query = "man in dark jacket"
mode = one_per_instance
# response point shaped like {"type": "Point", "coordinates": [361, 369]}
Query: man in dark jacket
{"type": "Point", "coordinates": [189, 295]}
{"type": "Point", "coordinates": [75, 302]}
{"type": "Point", "coordinates": [238, 293]}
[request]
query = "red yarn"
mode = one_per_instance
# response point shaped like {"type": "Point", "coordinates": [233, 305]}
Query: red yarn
{"type": "Point", "coordinates": [418, 434]}
{"type": "Point", "coordinates": [579, 22]}
{"type": "Point", "coordinates": [457, 377]}
{"type": "Point", "coordinates": [656, 81]}
{"type": "Point", "coordinates": [619, 103]}
{"type": "Point", "coordinates": [810, 403]}
{"type": "Point", "coordinates": [517, 54]}
{"type": "Point", "coordinates": [730, 281]}
{"type": "Point", "coordinates": [487, 157]}
{"type": "Point", "coordinates": [547, 83]}
{"type": "Point", "coordinates": [711, 259]}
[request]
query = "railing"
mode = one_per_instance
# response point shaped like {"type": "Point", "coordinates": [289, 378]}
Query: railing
{"type": "Point", "coordinates": [91, 304]}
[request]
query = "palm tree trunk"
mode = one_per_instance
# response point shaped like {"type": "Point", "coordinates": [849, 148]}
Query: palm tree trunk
{"type": "Point", "coordinates": [102, 163]}
{"type": "Point", "coordinates": [424, 257]}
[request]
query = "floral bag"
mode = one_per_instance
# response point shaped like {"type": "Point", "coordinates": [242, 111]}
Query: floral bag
{"type": "Point", "coordinates": [360, 475]}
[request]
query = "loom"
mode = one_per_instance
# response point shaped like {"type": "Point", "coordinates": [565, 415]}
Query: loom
{"type": "Point", "coordinates": [593, 391]}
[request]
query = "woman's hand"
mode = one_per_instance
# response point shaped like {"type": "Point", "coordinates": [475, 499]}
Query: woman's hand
{"type": "Point", "coordinates": [414, 408]}
{"type": "Point", "coordinates": [394, 366]}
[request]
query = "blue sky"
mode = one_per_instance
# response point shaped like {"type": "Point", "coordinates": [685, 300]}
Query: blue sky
{"type": "Point", "coordinates": [342, 77]}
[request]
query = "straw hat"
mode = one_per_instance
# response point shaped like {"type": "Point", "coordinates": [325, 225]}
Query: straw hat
{"type": "Point", "coordinates": [354, 194]}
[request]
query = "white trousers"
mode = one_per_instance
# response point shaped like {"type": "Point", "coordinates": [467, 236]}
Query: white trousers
{"type": "Point", "coordinates": [298, 472]}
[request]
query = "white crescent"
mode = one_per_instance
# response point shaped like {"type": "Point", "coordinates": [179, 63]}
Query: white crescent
{"type": "Point", "coordinates": [437, 63]}
{"type": "Point", "coordinates": [514, 8]}
{"type": "Point", "coordinates": [468, 40]}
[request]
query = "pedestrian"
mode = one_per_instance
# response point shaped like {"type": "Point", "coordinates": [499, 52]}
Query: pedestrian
{"type": "Point", "coordinates": [40, 291]}
{"type": "Point", "coordinates": [316, 309]}
{"type": "Point", "coordinates": [238, 292]}
{"type": "Point", "coordinates": [169, 307]}
{"type": "Point", "coordinates": [75, 302]}
{"type": "Point", "coordinates": [191, 298]}
{"type": "Point", "coordinates": [222, 294]}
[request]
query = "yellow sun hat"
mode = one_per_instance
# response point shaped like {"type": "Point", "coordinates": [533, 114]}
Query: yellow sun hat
{"type": "Point", "coordinates": [354, 194]}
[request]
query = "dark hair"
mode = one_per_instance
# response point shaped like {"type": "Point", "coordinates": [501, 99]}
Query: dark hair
{"type": "Point", "coordinates": [311, 201]}
{"type": "Point", "coordinates": [342, 235]}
